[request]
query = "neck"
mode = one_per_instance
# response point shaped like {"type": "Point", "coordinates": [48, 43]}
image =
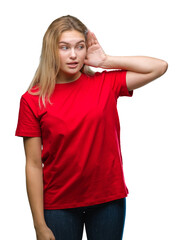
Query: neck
{"type": "Point", "coordinates": [63, 78]}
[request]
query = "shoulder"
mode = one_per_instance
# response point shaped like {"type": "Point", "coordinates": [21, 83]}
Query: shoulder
{"type": "Point", "coordinates": [31, 93]}
{"type": "Point", "coordinates": [98, 74]}
{"type": "Point", "coordinates": [31, 96]}
{"type": "Point", "coordinates": [110, 76]}
{"type": "Point", "coordinates": [110, 73]}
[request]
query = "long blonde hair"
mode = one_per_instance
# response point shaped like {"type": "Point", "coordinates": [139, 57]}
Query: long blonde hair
{"type": "Point", "coordinates": [49, 66]}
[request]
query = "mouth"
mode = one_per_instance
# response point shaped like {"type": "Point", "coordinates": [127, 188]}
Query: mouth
{"type": "Point", "coordinates": [72, 64]}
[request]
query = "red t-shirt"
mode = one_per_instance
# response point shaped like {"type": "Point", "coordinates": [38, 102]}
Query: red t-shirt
{"type": "Point", "coordinates": [81, 152]}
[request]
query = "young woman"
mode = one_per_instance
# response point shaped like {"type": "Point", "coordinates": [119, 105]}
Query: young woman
{"type": "Point", "coordinates": [69, 123]}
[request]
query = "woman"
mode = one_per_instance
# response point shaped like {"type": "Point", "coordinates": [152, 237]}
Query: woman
{"type": "Point", "coordinates": [69, 123]}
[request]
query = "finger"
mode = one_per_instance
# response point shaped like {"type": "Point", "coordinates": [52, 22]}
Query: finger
{"type": "Point", "coordinates": [94, 38]}
{"type": "Point", "coordinates": [89, 38]}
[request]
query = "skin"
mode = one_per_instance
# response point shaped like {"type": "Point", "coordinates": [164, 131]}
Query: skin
{"type": "Point", "coordinates": [72, 47]}
{"type": "Point", "coordinates": [140, 71]}
{"type": "Point", "coordinates": [34, 184]}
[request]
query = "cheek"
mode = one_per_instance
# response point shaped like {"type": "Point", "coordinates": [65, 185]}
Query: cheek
{"type": "Point", "coordinates": [62, 55]}
{"type": "Point", "coordinates": [83, 55]}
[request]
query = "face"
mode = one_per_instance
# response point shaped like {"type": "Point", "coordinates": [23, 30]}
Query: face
{"type": "Point", "coordinates": [72, 52]}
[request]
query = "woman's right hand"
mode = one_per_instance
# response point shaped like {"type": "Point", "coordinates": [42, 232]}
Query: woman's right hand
{"type": "Point", "coordinates": [44, 233]}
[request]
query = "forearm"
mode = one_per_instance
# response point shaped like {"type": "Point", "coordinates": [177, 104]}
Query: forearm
{"type": "Point", "coordinates": [34, 184]}
{"type": "Point", "coordinates": [139, 64]}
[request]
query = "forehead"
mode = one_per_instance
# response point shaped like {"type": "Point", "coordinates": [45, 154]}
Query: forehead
{"type": "Point", "coordinates": [71, 37]}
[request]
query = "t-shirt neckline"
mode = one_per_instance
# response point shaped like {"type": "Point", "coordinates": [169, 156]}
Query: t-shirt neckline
{"type": "Point", "coordinates": [70, 83]}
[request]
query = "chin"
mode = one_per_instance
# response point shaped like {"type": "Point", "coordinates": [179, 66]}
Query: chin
{"type": "Point", "coordinates": [71, 72]}
{"type": "Point", "coordinates": [74, 70]}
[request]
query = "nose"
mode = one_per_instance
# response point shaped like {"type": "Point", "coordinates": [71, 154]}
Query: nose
{"type": "Point", "coordinates": [73, 53]}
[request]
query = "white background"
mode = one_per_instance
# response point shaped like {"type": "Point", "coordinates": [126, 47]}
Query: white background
{"type": "Point", "coordinates": [151, 121]}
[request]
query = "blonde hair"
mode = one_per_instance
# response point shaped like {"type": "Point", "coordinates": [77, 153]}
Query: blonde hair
{"type": "Point", "coordinates": [49, 66]}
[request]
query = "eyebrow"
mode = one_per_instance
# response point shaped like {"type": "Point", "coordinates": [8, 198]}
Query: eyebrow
{"type": "Point", "coordinates": [69, 43]}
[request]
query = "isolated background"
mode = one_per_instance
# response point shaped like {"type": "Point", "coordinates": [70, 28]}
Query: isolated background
{"type": "Point", "coordinates": [151, 121]}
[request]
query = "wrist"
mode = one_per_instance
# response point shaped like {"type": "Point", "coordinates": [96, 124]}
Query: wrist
{"type": "Point", "coordinates": [107, 63]}
{"type": "Point", "coordinates": [38, 225]}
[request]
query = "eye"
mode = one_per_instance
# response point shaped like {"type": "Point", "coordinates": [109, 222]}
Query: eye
{"type": "Point", "coordinates": [64, 47]}
{"type": "Point", "coordinates": [81, 46]}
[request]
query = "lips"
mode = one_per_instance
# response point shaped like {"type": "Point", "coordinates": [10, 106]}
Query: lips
{"type": "Point", "coordinates": [72, 64]}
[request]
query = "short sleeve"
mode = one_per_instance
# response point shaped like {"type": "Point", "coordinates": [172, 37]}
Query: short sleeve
{"type": "Point", "coordinates": [28, 124]}
{"type": "Point", "coordinates": [117, 78]}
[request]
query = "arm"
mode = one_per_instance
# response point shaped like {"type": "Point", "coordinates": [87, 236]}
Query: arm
{"type": "Point", "coordinates": [140, 70]}
{"type": "Point", "coordinates": [34, 184]}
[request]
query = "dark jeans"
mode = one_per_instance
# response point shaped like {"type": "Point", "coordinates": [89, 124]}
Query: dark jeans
{"type": "Point", "coordinates": [102, 221]}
